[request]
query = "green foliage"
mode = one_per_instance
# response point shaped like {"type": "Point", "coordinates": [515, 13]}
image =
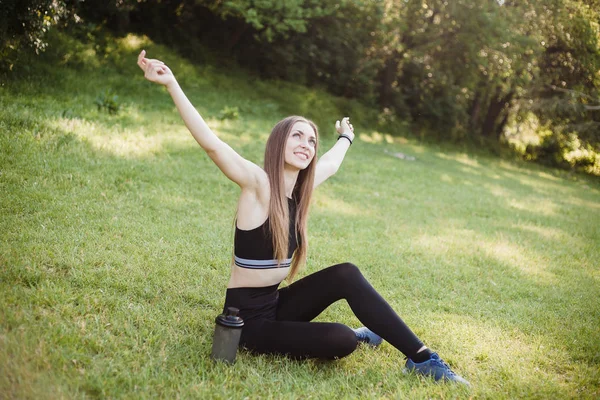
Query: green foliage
{"type": "Point", "coordinates": [108, 101]}
{"type": "Point", "coordinates": [228, 112]}
{"type": "Point", "coordinates": [270, 18]}
{"type": "Point", "coordinates": [565, 151]}
{"type": "Point", "coordinates": [454, 70]}
{"type": "Point", "coordinates": [570, 99]}
{"type": "Point", "coordinates": [23, 26]}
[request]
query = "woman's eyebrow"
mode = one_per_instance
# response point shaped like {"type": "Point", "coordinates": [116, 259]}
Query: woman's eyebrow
{"type": "Point", "coordinates": [303, 134]}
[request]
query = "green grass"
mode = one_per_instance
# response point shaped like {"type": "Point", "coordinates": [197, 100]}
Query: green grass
{"type": "Point", "coordinates": [116, 237]}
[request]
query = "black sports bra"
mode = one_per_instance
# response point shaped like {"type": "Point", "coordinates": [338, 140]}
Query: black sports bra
{"type": "Point", "coordinates": [254, 248]}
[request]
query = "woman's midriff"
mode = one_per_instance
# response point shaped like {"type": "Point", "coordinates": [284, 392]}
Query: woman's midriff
{"type": "Point", "coordinates": [246, 277]}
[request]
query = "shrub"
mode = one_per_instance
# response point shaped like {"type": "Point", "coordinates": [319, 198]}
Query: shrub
{"type": "Point", "coordinates": [109, 102]}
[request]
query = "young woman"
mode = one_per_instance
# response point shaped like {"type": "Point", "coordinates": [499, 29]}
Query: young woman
{"type": "Point", "coordinates": [271, 241]}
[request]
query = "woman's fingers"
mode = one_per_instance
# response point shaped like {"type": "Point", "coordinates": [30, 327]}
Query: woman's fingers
{"type": "Point", "coordinates": [147, 64]}
{"type": "Point", "coordinates": [344, 124]}
{"type": "Point", "coordinates": [154, 61]}
{"type": "Point", "coordinates": [142, 59]}
{"type": "Point", "coordinates": [140, 63]}
{"type": "Point", "coordinates": [154, 70]}
{"type": "Point", "coordinates": [159, 70]}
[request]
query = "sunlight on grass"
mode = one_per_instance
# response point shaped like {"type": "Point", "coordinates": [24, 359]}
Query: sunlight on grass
{"type": "Point", "coordinates": [497, 190]}
{"type": "Point", "coordinates": [73, 125]}
{"type": "Point", "coordinates": [228, 131]}
{"type": "Point", "coordinates": [509, 166]}
{"type": "Point", "coordinates": [446, 178]}
{"type": "Point", "coordinates": [471, 170]}
{"type": "Point", "coordinates": [544, 231]}
{"type": "Point", "coordinates": [86, 56]}
{"type": "Point", "coordinates": [535, 205]}
{"type": "Point", "coordinates": [440, 244]}
{"type": "Point", "coordinates": [134, 143]}
{"type": "Point", "coordinates": [329, 204]}
{"type": "Point", "coordinates": [376, 137]}
{"type": "Point", "coordinates": [515, 256]}
{"type": "Point", "coordinates": [466, 160]}
{"type": "Point", "coordinates": [123, 142]}
{"type": "Point", "coordinates": [578, 202]}
{"type": "Point", "coordinates": [462, 158]}
{"type": "Point", "coordinates": [504, 252]}
{"type": "Point", "coordinates": [133, 42]}
{"type": "Point", "coordinates": [548, 176]}
{"type": "Point", "coordinates": [554, 367]}
{"type": "Point", "coordinates": [534, 183]}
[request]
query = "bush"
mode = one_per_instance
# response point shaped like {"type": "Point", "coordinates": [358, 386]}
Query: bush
{"type": "Point", "coordinates": [229, 113]}
{"type": "Point", "coordinates": [24, 24]}
{"type": "Point", "coordinates": [109, 102]}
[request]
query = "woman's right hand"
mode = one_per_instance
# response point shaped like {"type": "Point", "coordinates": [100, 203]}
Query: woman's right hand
{"type": "Point", "coordinates": [155, 70]}
{"type": "Point", "coordinates": [345, 127]}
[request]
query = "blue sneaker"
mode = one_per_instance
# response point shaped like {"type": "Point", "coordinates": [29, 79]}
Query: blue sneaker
{"type": "Point", "coordinates": [367, 336]}
{"type": "Point", "coordinates": [435, 367]}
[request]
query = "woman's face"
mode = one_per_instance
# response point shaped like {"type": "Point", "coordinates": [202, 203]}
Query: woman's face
{"type": "Point", "coordinates": [300, 146]}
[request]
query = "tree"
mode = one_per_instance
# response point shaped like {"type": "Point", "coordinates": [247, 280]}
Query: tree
{"type": "Point", "coordinates": [23, 24]}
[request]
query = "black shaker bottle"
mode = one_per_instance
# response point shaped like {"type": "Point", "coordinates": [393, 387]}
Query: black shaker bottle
{"type": "Point", "coordinates": [227, 335]}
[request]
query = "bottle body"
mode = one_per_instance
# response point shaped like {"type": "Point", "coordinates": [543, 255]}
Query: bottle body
{"type": "Point", "coordinates": [228, 330]}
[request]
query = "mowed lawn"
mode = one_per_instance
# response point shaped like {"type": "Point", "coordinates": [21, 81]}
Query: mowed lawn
{"type": "Point", "coordinates": [116, 238]}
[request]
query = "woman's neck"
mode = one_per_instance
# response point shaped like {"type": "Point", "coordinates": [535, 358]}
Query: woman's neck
{"type": "Point", "coordinates": [289, 178]}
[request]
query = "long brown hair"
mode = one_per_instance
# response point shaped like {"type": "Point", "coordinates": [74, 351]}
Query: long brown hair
{"type": "Point", "coordinates": [278, 205]}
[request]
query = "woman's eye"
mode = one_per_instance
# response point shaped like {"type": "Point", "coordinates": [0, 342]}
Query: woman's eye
{"type": "Point", "coordinates": [313, 143]}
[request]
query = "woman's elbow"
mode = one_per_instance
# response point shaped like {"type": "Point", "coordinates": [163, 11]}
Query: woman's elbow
{"type": "Point", "coordinates": [332, 168]}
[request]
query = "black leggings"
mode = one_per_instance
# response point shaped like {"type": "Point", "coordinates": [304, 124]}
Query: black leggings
{"type": "Point", "coordinates": [277, 321]}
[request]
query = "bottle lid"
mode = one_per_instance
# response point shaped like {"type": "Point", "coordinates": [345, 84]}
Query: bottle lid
{"type": "Point", "coordinates": [230, 319]}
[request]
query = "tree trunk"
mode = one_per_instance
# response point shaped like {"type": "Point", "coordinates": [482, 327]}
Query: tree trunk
{"type": "Point", "coordinates": [235, 37]}
{"type": "Point", "coordinates": [501, 125]}
{"type": "Point", "coordinates": [495, 109]}
{"type": "Point", "coordinates": [475, 110]}
{"type": "Point", "coordinates": [123, 22]}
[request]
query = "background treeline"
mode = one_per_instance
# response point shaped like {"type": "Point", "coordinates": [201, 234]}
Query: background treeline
{"type": "Point", "coordinates": [524, 74]}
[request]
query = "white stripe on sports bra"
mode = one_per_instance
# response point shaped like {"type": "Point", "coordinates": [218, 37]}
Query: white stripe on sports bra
{"type": "Point", "coordinates": [261, 264]}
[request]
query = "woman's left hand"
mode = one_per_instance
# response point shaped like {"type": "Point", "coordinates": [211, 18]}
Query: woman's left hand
{"type": "Point", "coordinates": [155, 70]}
{"type": "Point", "coordinates": [345, 127]}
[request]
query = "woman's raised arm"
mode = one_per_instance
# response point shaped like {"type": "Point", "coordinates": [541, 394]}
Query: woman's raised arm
{"type": "Point", "coordinates": [331, 161]}
{"type": "Point", "coordinates": [241, 171]}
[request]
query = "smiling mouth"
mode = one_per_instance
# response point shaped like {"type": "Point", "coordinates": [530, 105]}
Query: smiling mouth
{"type": "Point", "coordinates": [302, 155]}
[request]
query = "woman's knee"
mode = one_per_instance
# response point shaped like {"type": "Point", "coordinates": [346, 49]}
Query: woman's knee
{"type": "Point", "coordinates": [343, 341]}
{"type": "Point", "coordinates": [346, 270]}
{"type": "Point", "coordinates": [348, 275]}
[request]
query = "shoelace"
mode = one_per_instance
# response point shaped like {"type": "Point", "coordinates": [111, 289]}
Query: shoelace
{"type": "Point", "coordinates": [441, 363]}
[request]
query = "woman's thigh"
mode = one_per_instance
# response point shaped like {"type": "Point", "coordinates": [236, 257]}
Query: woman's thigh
{"type": "Point", "coordinates": [308, 297]}
{"type": "Point", "coordinates": [299, 340]}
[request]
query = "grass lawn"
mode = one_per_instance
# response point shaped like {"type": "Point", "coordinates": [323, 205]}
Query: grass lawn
{"type": "Point", "coordinates": [116, 238]}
